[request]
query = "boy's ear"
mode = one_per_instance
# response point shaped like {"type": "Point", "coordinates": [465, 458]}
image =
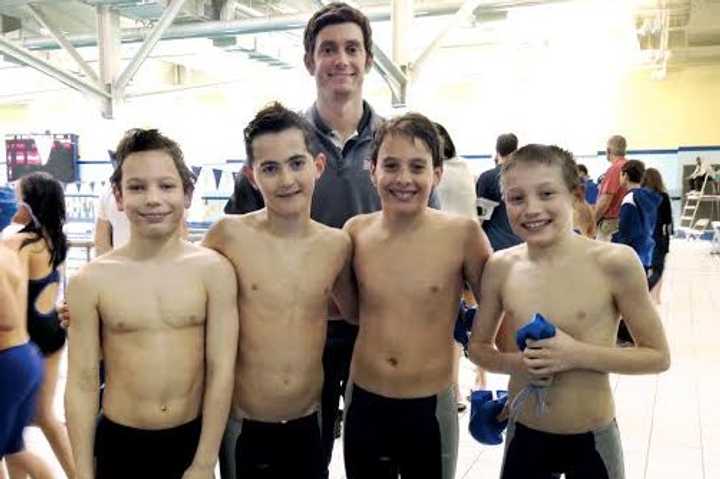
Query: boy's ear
{"type": "Point", "coordinates": [188, 197]}
{"type": "Point", "coordinates": [319, 161]}
{"type": "Point", "coordinates": [248, 172]}
{"type": "Point", "coordinates": [117, 193]}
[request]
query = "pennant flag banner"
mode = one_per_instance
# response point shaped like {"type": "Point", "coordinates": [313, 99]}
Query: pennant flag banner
{"type": "Point", "coordinates": [196, 171]}
{"type": "Point", "coordinates": [217, 174]}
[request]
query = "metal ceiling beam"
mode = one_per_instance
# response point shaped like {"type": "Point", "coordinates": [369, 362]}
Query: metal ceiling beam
{"type": "Point", "coordinates": [157, 32]}
{"type": "Point", "coordinates": [30, 59]}
{"type": "Point", "coordinates": [463, 13]}
{"type": "Point", "coordinates": [227, 28]}
{"type": "Point", "coordinates": [63, 42]}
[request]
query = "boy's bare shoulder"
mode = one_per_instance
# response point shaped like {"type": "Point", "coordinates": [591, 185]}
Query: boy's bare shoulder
{"type": "Point", "coordinates": [612, 258]}
{"type": "Point", "coordinates": [359, 222]}
{"type": "Point", "coordinates": [203, 258]}
{"type": "Point", "coordinates": [502, 260]}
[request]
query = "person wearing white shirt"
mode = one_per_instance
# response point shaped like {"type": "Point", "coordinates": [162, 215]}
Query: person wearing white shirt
{"type": "Point", "coordinates": [703, 168]}
{"type": "Point", "coordinates": [112, 228]}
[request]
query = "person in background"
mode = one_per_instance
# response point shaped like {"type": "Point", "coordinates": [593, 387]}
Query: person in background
{"type": "Point", "coordinates": [703, 169]}
{"type": "Point", "coordinates": [653, 181]}
{"type": "Point", "coordinates": [457, 195]}
{"type": "Point", "coordinates": [42, 247]}
{"type": "Point", "coordinates": [607, 208]}
{"type": "Point", "coordinates": [591, 189]}
{"type": "Point", "coordinates": [498, 228]}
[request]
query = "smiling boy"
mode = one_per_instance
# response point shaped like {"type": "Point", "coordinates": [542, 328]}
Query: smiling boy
{"type": "Point", "coordinates": [289, 267]}
{"type": "Point", "coordinates": [411, 263]}
{"type": "Point", "coordinates": [582, 286]}
{"type": "Point", "coordinates": [164, 325]}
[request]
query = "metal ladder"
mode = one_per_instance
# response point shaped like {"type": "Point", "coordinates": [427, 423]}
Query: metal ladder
{"type": "Point", "coordinates": [690, 209]}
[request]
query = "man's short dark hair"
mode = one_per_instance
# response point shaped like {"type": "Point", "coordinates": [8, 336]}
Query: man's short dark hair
{"type": "Point", "coordinates": [506, 144]}
{"type": "Point", "coordinates": [334, 14]}
{"type": "Point", "coordinates": [448, 147]}
{"type": "Point", "coordinates": [275, 118]}
{"type": "Point", "coordinates": [138, 140]}
{"type": "Point", "coordinates": [583, 169]}
{"type": "Point", "coordinates": [413, 126]}
{"type": "Point", "coordinates": [635, 170]}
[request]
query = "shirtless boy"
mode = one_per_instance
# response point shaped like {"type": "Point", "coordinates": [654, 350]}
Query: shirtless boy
{"type": "Point", "coordinates": [21, 367]}
{"type": "Point", "coordinates": [165, 325]}
{"type": "Point", "coordinates": [411, 263]}
{"type": "Point", "coordinates": [582, 286]}
{"type": "Point", "coordinates": [289, 267]}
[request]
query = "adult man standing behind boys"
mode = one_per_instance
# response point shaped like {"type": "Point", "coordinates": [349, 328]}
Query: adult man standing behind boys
{"type": "Point", "coordinates": [164, 325]}
{"type": "Point", "coordinates": [338, 53]}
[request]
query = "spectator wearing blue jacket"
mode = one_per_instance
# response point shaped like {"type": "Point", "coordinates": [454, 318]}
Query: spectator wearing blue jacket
{"type": "Point", "coordinates": [638, 213]}
{"type": "Point", "coordinates": [590, 187]}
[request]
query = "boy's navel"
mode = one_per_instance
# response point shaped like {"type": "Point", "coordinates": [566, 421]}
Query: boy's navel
{"type": "Point", "coordinates": [392, 361]}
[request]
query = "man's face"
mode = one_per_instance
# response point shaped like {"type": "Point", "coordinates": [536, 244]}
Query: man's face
{"type": "Point", "coordinates": [339, 61]}
{"type": "Point", "coordinates": [404, 174]}
{"type": "Point", "coordinates": [151, 194]}
{"type": "Point", "coordinates": [284, 171]}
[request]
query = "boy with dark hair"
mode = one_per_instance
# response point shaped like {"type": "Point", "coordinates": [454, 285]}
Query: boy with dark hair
{"type": "Point", "coordinates": [591, 189]}
{"type": "Point", "coordinates": [638, 213]}
{"type": "Point", "coordinates": [295, 268]}
{"type": "Point", "coordinates": [164, 325]}
{"type": "Point", "coordinates": [411, 263]}
{"type": "Point", "coordinates": [575, 432]}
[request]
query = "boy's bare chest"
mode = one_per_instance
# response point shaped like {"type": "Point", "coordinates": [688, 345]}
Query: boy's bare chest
{"type": "Point", "coordinates": [577, 301]}
{"type": "Point", "coordinates": [133, 301]}
{"type": "Point", "coordinates": [309, 271]}
{"type": "Point", "coordinates": [419, 266]}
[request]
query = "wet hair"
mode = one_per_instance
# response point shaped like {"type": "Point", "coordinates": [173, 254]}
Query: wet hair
{"type": "Point", "coordinates": [653, 180]}
{"type": "Point", "coordinates": [334, 14]}
{"type": "Point", "coordinates": [139, 140]}
{"type": "Point", "coordinates": [635, 170]}
{"type": "Point", "coordinates": [582, 169]}
{"type": "Point", "coordinates": [275, 118]}
{"type": "Point", "coordinates": [413, 126]}
{"type": "Point", "coordinates": [549, 155]}
{"type": "Point", "coordinates": [46, 198]}
{"type": "Point", "coordinates": [448, 147]}
{"type": "Point", "coordinates": [506, 144]}
{"type": "Point", "coordinates": [617, 145]}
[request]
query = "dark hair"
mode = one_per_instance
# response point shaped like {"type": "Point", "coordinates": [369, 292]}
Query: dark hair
{"type": "Point", "coordinates": [448, 147]}
{"type": "Point", "coordinates": [334, 14]}
{"type": "Point", "coordinates": [45, 197]}
{"type": "Point", "coordinates": [653, 180]}
{"type": "Point", "coordinates": [412, 126]}
{"type": "Point", "coordinates": [617, 145]}
{"type": "Point", "coordinates": [635, 170]}
{"type": "Point", "coordinates": [275, 118]}
{"type": "Point", "coordinates": [138, 140]}
{"type": "Point", "coordinates": [506, 144]}
{"type": "Point", "coordinates": [550, 155]}
{"type": "Point", "coordinates": [582, 169]}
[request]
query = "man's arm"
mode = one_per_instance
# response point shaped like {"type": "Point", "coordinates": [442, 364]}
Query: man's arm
{"type": "Point", "coordinates": [651, 353]}
{"type": "Point", "coordinates": [103, 237]}
{"type": "Point", "coordinates": [344, 291]}
{"type": "Point", "coordinates": [221, 337]}
{"type": "Point", "coordinates": [83, 383]}
{"type": "Point", "coordinates": [602, 205]}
